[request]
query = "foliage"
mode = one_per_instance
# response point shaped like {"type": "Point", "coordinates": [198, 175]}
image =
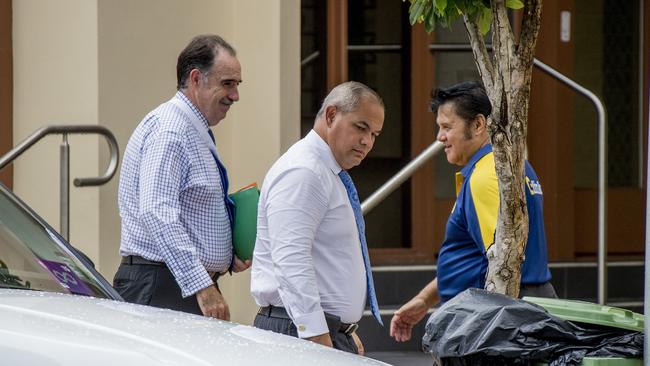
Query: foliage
{"type": "Point", "coordinates": [445, 12]}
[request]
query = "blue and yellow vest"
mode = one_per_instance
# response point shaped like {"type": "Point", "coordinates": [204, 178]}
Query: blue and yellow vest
{"type": "Point", "coordinates": [462, 262]}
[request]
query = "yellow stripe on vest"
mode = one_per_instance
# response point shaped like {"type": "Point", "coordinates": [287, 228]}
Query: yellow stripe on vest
{"type": "Point", "coordinates": [485, 195]}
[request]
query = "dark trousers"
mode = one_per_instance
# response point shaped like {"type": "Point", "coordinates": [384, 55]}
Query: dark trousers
{"type": "Point", "coordinates": [153, 285]}
{"type": "Point", "coordinates": [279, 322]}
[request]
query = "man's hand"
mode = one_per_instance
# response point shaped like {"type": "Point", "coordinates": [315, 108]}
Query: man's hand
{"type": "Point", "coordinates": [239, 265]}
{"type": "Point", "coordinates": [413, 311]}
{"type": "Point", "coordinates": [406, 317]}
{"type": "Point", "coordinates": [212, 303]}
{"type": "Point", "coordinates": [357, 341]}
{"type": "Point", "coordinates": [323, 339]}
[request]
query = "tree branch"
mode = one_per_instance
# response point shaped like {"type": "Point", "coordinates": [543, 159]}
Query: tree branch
{"type": "Point", "coordinates": [529, 30]}
{"type": "Point", "coordinates": [481, 56]}
{"type": "Point", "coordinates": [503, 45]}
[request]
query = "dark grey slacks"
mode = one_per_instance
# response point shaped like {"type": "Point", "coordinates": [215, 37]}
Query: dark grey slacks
{"type": "Point", "coordinates": [282, 325]}
{"type": "Point", "coordinates": [154, 286]}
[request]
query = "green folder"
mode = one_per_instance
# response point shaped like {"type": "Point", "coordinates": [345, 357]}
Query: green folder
{"type": "Point", "coordinates": [245, 221]}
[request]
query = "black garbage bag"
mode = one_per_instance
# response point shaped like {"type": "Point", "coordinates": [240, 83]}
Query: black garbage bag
{"type": "Point", "coordinates": [482, 328]}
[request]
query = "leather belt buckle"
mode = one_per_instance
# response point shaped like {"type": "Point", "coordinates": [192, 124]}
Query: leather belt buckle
{"type": "Point", "coordinates": [348, 329]}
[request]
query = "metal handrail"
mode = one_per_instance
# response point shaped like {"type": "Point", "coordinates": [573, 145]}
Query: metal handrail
{"type": "Point", "coordinates": [396, 180]}
{"type": "Point", "coordinates": [393, 183]}
{"type": "Point", "coordinates": [64, 188]}
{"type": "Point", "coordinates": [646, 293]}
{"type": "Point", "coordinates": [307, 60]}
{"type": "Point", "coordinates": [602, 173]}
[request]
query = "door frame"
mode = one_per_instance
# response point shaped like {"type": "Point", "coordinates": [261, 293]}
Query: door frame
{"type": "Point", "coordinates": [6, 88]}
{"type": "Point", "coordinates": [421, 250]}
{"type": "Point", "coordinates": [423, 246]}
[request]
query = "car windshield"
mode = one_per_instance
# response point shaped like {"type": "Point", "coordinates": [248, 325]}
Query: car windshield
{"type": "Point", "coordinates": [32, 257]}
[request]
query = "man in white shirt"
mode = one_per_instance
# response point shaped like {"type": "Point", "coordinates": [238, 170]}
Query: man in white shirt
{"type": "Point", "coordinates": [311, 275]}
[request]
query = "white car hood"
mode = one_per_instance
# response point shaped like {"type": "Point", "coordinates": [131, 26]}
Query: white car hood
{"type": "Point", "coordinates": [41, 328]}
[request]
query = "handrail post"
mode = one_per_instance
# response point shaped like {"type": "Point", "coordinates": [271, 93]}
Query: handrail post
{"type": "Point", "coordinates": [64, 189]}
{"type": "Point", "coordinates": [602, 174]}
{"type": "Point", "coordinates": [64, 169]}
{"type": "Point", "coordinates": [646, 293]}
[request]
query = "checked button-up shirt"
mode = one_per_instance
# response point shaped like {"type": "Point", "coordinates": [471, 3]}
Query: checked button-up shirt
{"type": "Point", "coordinates": [171, 201]}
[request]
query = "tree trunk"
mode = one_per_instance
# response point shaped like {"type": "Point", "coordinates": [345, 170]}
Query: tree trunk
{"type": "Point", "coordinates": [507, 80]}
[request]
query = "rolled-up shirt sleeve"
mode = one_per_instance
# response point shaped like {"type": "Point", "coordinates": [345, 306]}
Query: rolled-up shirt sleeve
{"type": "Point", "coordinates": [163, 168]}
{"type": "Point", "coordinates": [296, 205]}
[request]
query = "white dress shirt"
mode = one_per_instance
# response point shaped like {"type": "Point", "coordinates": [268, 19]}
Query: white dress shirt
{"type": "Point", "coordinates": [307, 255]}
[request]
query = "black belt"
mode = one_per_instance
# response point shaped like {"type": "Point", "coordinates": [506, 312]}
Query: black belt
{"type": "Point", "coordinates": [280, 312]}
{"type": "Point", "coordinates": [136, 259]}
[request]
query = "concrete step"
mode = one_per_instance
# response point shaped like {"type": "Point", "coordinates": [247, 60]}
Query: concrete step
{"type": "Point", "coordinates": [402, 358]}
{"type": "Point", "coordinates": [579, 281]}
{"type": "Point", "coordinates": [397, 284]}
{"type": "Point", "coordinates": [376, 338]}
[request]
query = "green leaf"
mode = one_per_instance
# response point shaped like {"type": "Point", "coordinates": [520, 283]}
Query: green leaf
{"type": "Point", "coordinates": [412, 5]}
{"type": "Point", "coordinates": [514, 4]}
{"type": "Point", "coordinates": [429, 20]}
{"type": "Point", "coordinates": [415, 12]}
{"type": "Point", "coordinates": [471, 10]}
{"type": "Point", "coordinates": [441, 5]}
{"type": "Point", "coordinates": [484, 21]}
{"type": "Point", "coordinates": [459, 12]}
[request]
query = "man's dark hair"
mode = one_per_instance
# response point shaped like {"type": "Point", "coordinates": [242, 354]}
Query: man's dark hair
{"type": "Point", "coordinates": [200, 54]}
{"type": "Point", "coordinates": [469, 99]}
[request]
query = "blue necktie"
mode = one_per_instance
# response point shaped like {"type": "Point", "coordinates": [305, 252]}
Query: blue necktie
{"type": "Point", "coordinates": [230, 205]}
{"type": "Point", "coordinates": [361, 227]}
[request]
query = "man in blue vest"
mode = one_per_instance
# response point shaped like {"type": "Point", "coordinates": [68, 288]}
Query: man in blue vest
{"type": "Point", "coordinates": [462, 111]}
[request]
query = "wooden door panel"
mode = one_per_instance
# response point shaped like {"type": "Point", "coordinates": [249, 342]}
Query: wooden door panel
{"type": "Point", "coordinates": [625, 219]}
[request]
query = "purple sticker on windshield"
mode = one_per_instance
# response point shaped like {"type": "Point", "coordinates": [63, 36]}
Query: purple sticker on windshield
{"type": "Point", "coordinates": [66, 277]}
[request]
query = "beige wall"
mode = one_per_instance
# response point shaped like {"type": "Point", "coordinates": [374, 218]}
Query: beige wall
{"type": "Point", "coordinates": [112, 61]}
{"type": "Point", "coordinates": [266, 121]}
{"type": "Point", "coordinates": [55, 82]}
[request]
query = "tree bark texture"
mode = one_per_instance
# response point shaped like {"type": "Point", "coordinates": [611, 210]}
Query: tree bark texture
{"type": "Point", "coordinates": [507, 76]}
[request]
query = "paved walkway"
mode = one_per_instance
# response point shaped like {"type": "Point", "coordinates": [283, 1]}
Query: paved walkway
{"type": "Point", "coordinates": [402, 358]}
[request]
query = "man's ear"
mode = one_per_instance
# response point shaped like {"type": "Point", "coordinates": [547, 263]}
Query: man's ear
{"type": "Point", "coordinates": [480, 123]}
{"type": "Point", "coordinates": [330, 113]}
{"type": "Point", "coordinates": [194, 77]}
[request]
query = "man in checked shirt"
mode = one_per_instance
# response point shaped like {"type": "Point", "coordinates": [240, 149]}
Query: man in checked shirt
{"type": "Point", "coordinates": [176, 215]}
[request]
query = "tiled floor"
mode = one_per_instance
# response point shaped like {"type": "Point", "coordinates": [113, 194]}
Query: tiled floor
{"type": "Point", "coordinates": [402, 358]}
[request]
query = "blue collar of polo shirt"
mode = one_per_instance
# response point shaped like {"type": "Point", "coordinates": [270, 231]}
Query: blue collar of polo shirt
{"type": "Point", "coordinates": [475, 158]}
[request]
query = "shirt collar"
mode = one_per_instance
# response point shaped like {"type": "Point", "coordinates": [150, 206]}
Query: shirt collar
{"type": "Point", "coordinates": [324, 151]}
{"type": "Point", "coordinates": [484, 150]}
{"type": "Point", "coordinates": [180, 95]}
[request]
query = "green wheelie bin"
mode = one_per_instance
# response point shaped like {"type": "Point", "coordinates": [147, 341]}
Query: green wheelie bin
{"type": "Point", "coordinates": [590, 313]}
